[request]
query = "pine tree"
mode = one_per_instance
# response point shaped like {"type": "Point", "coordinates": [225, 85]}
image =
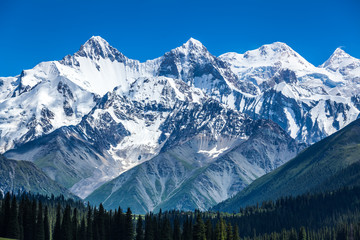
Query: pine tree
{"type": "Point", "coordinates": [302, 234]}
{"type": "Point", "coordinates": [149, 230]}
{"type": "Point", "coordinates": [7, 214]}
{"type": "Point", "coordinates": [89, 232]}
{"type": "Point", "coordinates": [66, 229]}
{"type": "Point", "coordinates": [166, 229]}
{"type": "Point", "coordinates": [33, 215]}
{"type": "Point", "coordinates": [40, 234]}
{"type": "Point", "coordinates": [229, 232]}
{"type": "Point", "coordinates": [100, 223]}
{"type": "Point", "coordinates": [13, 230]}
{"type": "Point", "coordinates": [129, 228]}
{"type": "Point", "coordinates": [220, 230]}
{"type": "Point", "coordinates": [46, 224]}
{"type": "Point", "coordinates": [57, 229]}
{"type": "Point", "coordinates": [74, 225]}
{"type": "Point", "coordinates": [2, 216]}
{"type": "Point", "coordinates": [187, 229]}
{"type": "Point", "coordinates": [139, 229]}
{"type": "Point", "coordinates": [118, 224]}
{"type": "Point", "coordinates": [209, 229]}
{"type": "Point", "coordinates": [199, 232]}
{"type": "Point", "coordinates": [82, 231]}
{"type": "Point", "coordinates": [156, 229]}
{"type": "Point", "coordinates": [236, 233]}
{"type": "Point", "coordinates": [27, 219]}
{"type": "Point", "coordinates": [20, 218]}
{"type": "Point", "coordinates": [177, 231]}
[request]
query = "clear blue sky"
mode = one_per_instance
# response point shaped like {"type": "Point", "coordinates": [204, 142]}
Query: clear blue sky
{"type": "Point", "coordinates": [32, 31]}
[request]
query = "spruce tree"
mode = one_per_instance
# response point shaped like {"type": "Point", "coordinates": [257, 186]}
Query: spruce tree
{"type": "Point", "coordinates": [46, 224]}
{"type": "Point", "coordinates": [27, 220]}
{"type": "Point", "coordinates": [66, 229]}
{"type": "Point", "coordinates": [177, 231]}
{"type": "Point", "coordinates": [166, 229]}
{"type": "Point", "coordinates": [33, 215]}
{"type": "Point", "coordinates": [57, 235]}
{"type": "Point", "coordinates": [7, 214]}
{"type": "Point", "coordinates": [89, 229]}
{"type": "Point", "coordinates": [82, 231]}
{"type": "Point", "coordinates": [149, 230]}
{"type": "Point", "coordinates": [40, 234]}
{"type": "Point", "coordinates": [187, 229]}
{"type": "Point", "coordinates": [129, 228]}
{"type": "Point", "coordinates": [220, 230]}
{"type": "Point", "coordinates": [209, 229]}
{"type": "Point", "coordinates": [100, 222]}
{"type": "Point", "coordinates": [199, 231]}
{"type": "Point", "coordinates": [302, 234]}
{"type": "Point", "coordinates": [13, 230]}
{"type": "Point", "coordinates": [2, 217]}
{"type": "Point", "coordinates": [74, 225]}
{"type": "Point", "coordinates": [156, 228]}
{"type": "Point", "coordinates": [139, 229]}
{"type": "Point", "coordinates": [20, 218]}
{"type": "Point", "coordinates": [236, 233]}
{"type": "Point", "coordinates": [229, 232]}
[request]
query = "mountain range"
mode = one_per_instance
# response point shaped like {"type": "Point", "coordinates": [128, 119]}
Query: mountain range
{"type": "Point", "coordinates": [102, 125]}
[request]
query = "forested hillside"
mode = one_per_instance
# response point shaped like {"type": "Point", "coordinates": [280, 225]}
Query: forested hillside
{"type": "Point", "coordinates": [332, 215]}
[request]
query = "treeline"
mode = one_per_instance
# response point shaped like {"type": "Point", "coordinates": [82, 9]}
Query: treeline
{"type": "Point", "coordinates": [333, 215]}
{"type": "Point", "coordinates": [312, 211]}
{"type": "Point", "coordinates": [28, 216]}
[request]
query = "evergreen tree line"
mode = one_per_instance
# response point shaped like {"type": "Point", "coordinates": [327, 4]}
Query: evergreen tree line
{"type": "Point", "coordinates": [312, 211]}
{"type": "Point", "coordinates": [28, 216]}
{"type": "Point", "coordinates": [333, 215]}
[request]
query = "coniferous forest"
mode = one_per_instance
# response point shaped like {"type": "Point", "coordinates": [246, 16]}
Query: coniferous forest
{"type": "Point", "coordinates": [331, 215]}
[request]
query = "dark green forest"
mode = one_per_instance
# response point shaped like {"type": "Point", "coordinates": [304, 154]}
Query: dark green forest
{"type": "Point", "coordinates": [331, 215]}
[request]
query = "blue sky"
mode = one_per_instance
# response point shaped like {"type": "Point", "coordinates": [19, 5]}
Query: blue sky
{"type": "Point", "coordinates": [42, 30]}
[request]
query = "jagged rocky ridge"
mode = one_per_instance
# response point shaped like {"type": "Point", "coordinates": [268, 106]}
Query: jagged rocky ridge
{"type": "Point", "coordinates": [116, 113]}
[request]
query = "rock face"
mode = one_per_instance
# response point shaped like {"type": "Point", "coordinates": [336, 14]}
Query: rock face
{"type": "Point", "coordinates": [96, 114]}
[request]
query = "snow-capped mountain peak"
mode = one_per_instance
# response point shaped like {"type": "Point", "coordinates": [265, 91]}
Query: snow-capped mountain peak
{"type": "Point", "coordinates": [97, 47]}
{"type": "Point", "coordinates": [275, 47]}
{"type": "Point", "coordinates": [276, 54]}
{"type": "Point", "coordinates": [339, 52]}
{"type": "Point", "coordinates": [193, 44]}
{"type": "Point", "coordinates": [338, 56]}
{"type": "Point", "coordinates": [343, 64]}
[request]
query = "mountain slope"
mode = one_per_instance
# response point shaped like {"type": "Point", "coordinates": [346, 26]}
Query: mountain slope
{"type": "Point", "coordinates": [67, 158]}
{"type": "Point", "coordinates": [24, 176]}
{"type": "Point", "coordinates": [326, 165]}
{"type": "Point", "coordinates": [184, 177]}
